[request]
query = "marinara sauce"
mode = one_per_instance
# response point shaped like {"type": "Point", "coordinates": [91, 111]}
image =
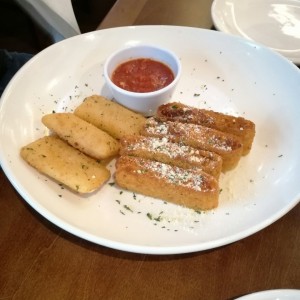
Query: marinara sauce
{"type": "Point", "coordinates": [142, 75]}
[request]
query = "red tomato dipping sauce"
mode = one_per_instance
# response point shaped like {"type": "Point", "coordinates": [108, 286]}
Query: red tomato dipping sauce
{"type": "Point", "coordinates": [142, 75]}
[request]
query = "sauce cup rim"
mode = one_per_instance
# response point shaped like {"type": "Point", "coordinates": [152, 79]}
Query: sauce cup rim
{"type": "Point", "coordinates": [144, 94]}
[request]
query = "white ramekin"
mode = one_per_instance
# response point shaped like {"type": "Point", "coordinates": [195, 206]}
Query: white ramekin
{"type": "Point", "coordinates": [144, 103]}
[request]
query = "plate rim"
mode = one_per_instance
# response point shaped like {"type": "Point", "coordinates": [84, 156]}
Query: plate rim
{"type": "Point", "coordinates": [218, 25]}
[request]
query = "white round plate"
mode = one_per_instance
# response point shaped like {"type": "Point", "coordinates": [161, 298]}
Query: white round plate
{"type": "Point", "coordinates": [273, 295]}
{"type": "Point", "coordinates": [220, 72]}
{"type": "Point", "coordinates": [273, 23]}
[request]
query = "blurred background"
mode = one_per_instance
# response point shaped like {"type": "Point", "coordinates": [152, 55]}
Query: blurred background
{"type": "Point", "coordinates": [18, 32]}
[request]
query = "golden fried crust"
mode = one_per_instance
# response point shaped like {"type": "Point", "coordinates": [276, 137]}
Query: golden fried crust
{"type": "Point", "coordinates": [189, 188]}
{"type": "Point", "coordinates": [161, 149]}
{"type": "Point", "coordinates": [228, 146]}
{"type": "Point", "coordinates": [238, 126]}
{"type": "Point", "coordinates": [54, 157]}
{"type": "Point", "coordinates": [110, 116]}
{"type": "Point", "coordinates": [82, 135]}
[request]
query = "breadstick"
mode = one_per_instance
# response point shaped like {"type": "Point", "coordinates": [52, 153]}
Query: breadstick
{"type": "Point", "coordinates": [54, 157]}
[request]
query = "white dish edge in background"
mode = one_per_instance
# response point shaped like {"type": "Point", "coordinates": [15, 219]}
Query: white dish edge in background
{"type": "Point", "coordinates": [219, 72]}
{"type": "Point", "coordinates": [280, 294]}
{"type": "Point", "coordinates": [273, 23]}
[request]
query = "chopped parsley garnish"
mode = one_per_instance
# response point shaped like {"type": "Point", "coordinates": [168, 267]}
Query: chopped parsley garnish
{"type": "Point", "coordinates": [149, 216]}
{"type": "Point", "coordinates": [128, 208]}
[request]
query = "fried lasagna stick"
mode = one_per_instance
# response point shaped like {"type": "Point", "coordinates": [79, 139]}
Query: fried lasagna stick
{"type": "Point", "coordinates": [241, 127]}
{"type": "Point", "coordinates": [189, 188]}
{"type": "Point", "coordinates": [228, 146]}
{"type": "Point", "coordinates": [176, 154]}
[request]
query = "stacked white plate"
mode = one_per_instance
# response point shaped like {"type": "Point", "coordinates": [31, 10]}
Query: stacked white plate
{"type": "Point", "coordinates": [273, 23]}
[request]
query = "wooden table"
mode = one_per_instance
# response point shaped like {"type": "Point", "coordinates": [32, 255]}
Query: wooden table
{"type": "Point", "coordinates": [41, 261]}
{"type": "Point", "coordinates": [195, 13]}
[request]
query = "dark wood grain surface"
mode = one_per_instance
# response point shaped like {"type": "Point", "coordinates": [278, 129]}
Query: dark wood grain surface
{"type": "Point", "coordinates": [41, 261]}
